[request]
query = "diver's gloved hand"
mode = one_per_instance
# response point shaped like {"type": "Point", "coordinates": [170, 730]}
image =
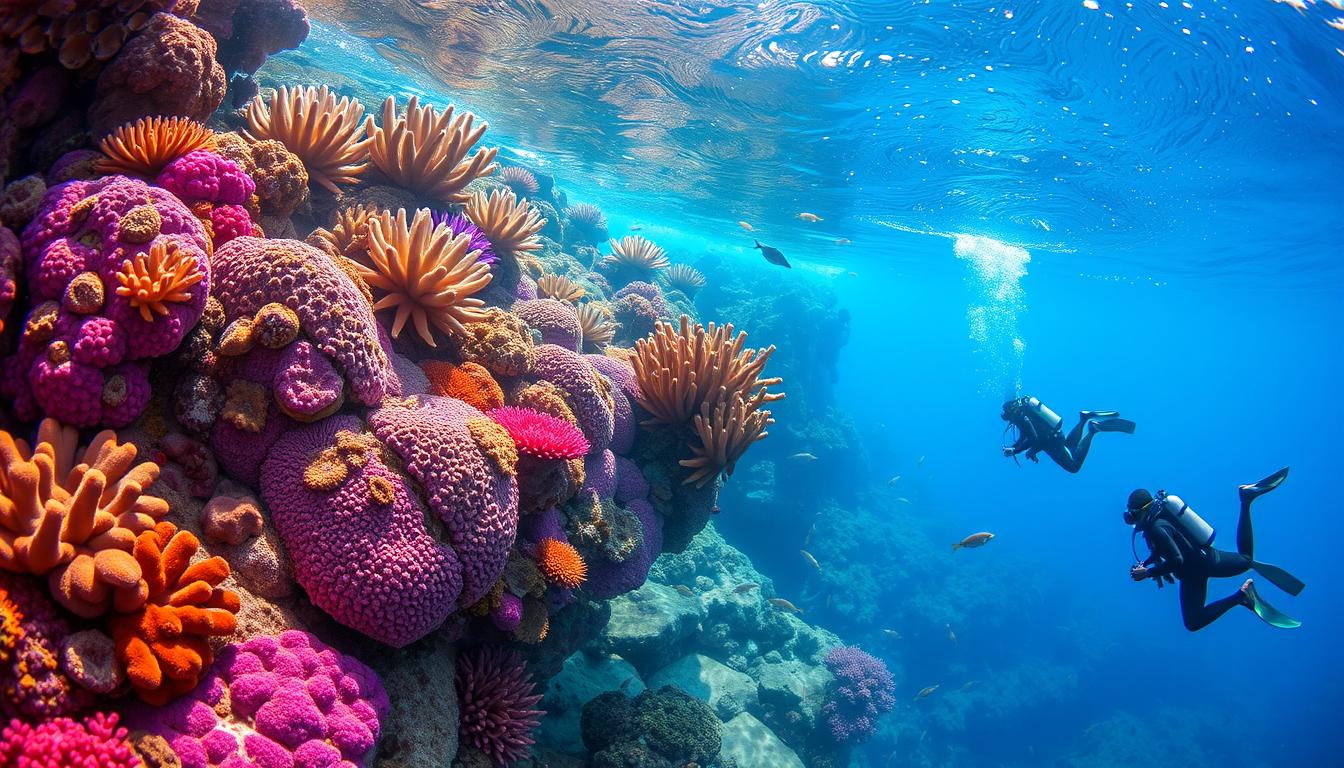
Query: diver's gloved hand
{"type": "Point", "coordinates": [1138, 572]}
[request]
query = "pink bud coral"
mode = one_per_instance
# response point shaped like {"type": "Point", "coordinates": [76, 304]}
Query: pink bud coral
{"type": "Point", "coordinates": [541, 434]}
{"type": "Point", "coordinates": [62, 743]}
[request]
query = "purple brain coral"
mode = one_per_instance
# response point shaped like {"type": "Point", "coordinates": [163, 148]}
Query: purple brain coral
{"type": "Point", "coordinates": [118, 273]}
{"type": "Point", "coordinates": [286, 700]}
{"type": "Point", "coordinates": [555, 320]}
{"type": "Point", "coordinates": [395, 522]}
{"type": "Point", "coordinates": [587, 393]}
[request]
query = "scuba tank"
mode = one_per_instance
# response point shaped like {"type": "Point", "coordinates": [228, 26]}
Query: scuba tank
{"type": "Point", "coordinates": [1190, 525]}
{"type": "Point", "coordinates": [1038, 412]}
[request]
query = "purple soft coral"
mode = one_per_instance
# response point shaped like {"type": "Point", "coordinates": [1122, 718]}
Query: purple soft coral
{"type": "Point", "coordinates": [284, 700]}
{"type": "Point", "coordinates": [32, 685]}
{"type": "Point", "coordinates": [863, 691]}
{"type": "Point", "coordinates": [497, 697]}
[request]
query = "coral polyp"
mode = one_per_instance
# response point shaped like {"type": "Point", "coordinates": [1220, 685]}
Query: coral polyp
{"type": "Point", "coordinates": [158, 278]}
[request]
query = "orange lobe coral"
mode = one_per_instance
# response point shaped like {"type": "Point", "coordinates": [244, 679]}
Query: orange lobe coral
{"type": "Point", "coordinates": [158, 278]}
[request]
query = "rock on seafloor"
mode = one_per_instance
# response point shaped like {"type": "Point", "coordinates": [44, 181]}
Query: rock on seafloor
{"type": "Point", "coordinates": [583, 678]}
{"type": "Point", "coordinates": [750, 744]}
{"type": "Point", "coordinates": [421, 731]}
{"type": "Point", "coordinates": [651, 626]}
{"type": "Point", "coordinates": [792, 694]}
{"type": "Point", "coordinates": [726, 691]}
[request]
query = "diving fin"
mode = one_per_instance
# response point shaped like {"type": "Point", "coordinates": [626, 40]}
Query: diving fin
{"type": "Point", "coordinates": [1268, 613]}
{"type": "Point", "coordinates": [1113, 425]}
{"type": "Point", "coordinates": [1089, 415]}
{"type": "Point", "coordinates": [1254, 490]}
{"type": "Point", "coordinates": [1279, 578]}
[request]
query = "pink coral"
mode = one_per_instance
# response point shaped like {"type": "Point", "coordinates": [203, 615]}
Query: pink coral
{"type": "Point", "coordinates": [351, 499]}
{"type": "Point", "coordinates": [32, 685]}
{"type": "Point", "coordinates": [863, 691]}
{"type": "Point", "coordinates": [556, 320]}
{"type": "Point", "coordinates": [509, 614]}
{"type": "Point", "coordinates": [168, 68]}
{"type": "Point", "coordinates": [230, 221]}
{"type": "Point", "coordinates": [541, 434]}
{"type": "Point", "coordinates": [287, 700]}
{"type": "Point", "coordinates": [83, 353]}
{"type": "Point", "coordinates": [497, 702]}
{"type": "Point", "coordinates": [204, 175]}
{"type": "Point", "coordinates": [588, 394]}
{"type": "Point", "coordinates": [65, 743]}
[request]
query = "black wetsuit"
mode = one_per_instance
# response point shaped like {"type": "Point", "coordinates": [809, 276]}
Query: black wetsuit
{"type": "Point", "coordinates": [1174, 555]}
{"type": "Point", "coordinates": [1068, 452]}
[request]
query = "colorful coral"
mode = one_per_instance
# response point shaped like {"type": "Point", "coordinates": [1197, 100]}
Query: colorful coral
{"type": "Point", "coordinates": [145, 147]}
{"type": "Point", "coordinates": [74, 516]}
{"type": "Point", "coordinates": [424, 150]}
{"type": "Point", "coordinates": [561, 563]}
{"type": "Point", "coordinates": [499, 341]}
{"type": "Point", "coordinates": [283, 700]}
{"type": "Point", "coordinates": [424, 273]}
{"type": "Point", "coordinates": [634, 257]}
{"type": "Point", "coordinates": [468, 382]}
{"type": "Point", "coordinates": [497, 701]}
{"type": "Point", "coordinates": [863, 691]}
{"type": "Point", "coordinates": [64, 743]}
{"type": "Point", "coordinates": [586, 392]}
{"type": "Point", "coordinates": [555, 320]}
{"type": "Point", "coordinates": [83, 356]}
{"type": "Point", "coordinates": [560, 288]}
{"type": "Point", "coordinates": [326, 133]}
{"type": "Point", "coordinates": [165, 644]}
{"type": "Point", "coordinates": [459, 224]}
{"type": "Point", "coordinates": [595, 325]}
{"type": "Point", "coordinates": [540, 434]}
{"type": "Point", "coordinates": [33, 685]}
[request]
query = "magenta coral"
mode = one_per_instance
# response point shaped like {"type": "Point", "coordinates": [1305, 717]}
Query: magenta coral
{"type": "Point", "coordinates": [204, 175]}
{"type": "Point", "coordinates": [96, 741]}
{"type": "Point", "coordinates": [509, 614]}
{"type": "Point", "coordinates": [497, 703]}
{"type": "Point", "coordinates": [555, 320]}
{"type": "Point", "coordinates": [587, 395]}
{"type": "Point", "coordinates": [84, 350]}
{"type": "Point", "coordinates": [863, 691]}
{"type": "Point", "coordinates": [287, 700]}
{"type": "Point", "coordinates": [228, 222]}
{"type": "Point", "coordinates": [541, 434]}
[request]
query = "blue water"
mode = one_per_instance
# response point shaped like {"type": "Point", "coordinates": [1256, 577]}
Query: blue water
{"type": "Point", "coordinates": [1158, 193]}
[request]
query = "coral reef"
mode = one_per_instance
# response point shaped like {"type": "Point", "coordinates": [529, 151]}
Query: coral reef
{"type": "Point", "coordinates": [468, 382]}
{"type": "Point", "coordinates": [862, 692]}
{"type": "Point", "coordinates": [326, 133]}
{"type": "Point", "coordinates": [662, 728]}
{"type": "Point", "coordinates": [585, 223]}
{"type": "Point", "coordinates": [509, 223]}
{"type": "Point", "coordinates": [497, 700]}
{"type": "Point", "coordinates": [559, 287]}
{"type": "Point", "coordinates": [97, 740]}
{"type": "Point", "coordinates": [633, 258]}
{"type": "Point", "coordinates": [555, 320]}
{"type": "Point", "coordinates": [540, 434]}
{"type": "Point", "coordinates": [561, 564]}
{"type": "Point", "coordinates": [684, 278]}
{"type": "Point", "coordinates": [143, 148]}
{"type": "Point", "coordinates": [33, 685]}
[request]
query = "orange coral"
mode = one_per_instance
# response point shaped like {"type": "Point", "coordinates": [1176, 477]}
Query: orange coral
{"type": "Point", "coordinates": [468, 382]}
{"type": "Point", "coordinates": [144, 147]}
{"type": "Point", "coordinates": [158, 278]}
{"type": "Point", "coordinates": [327, 134]}
{"type": "Point", "coordinates": [726, 431]}
{"type": "Point", "coordinates": [561, 563]}
{"type": "Point", "coordinates": [165, 645]}
{"type": "Point", "coordinates": [511, 225]}
{"type": "Point", "coordinates": [425, 150]}
{"type": "Point", "coordinates": [73, 516]}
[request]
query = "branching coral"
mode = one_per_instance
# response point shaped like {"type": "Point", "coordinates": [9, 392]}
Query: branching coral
{"type": "Point", "coordinates": [863, 691]}
{"type": "Point", "coordinates": [497, 703]}
{"type": "Point", "coordinates": [540, 434]}
{"type": "Point", "coordinates": [636, 255]}
{"type": "Point", "coordinates": [684, 278]}
{"type": "Point", "coordinates": [62, 743]}
{"type": "Point", "coordinates": [74, 515]}
{"type": "Point", "coordinates": [145, 147]}
{"type": "Point", "coordinates": [425, 150]}
{"type": "Point", "coordinates": [561, 563]}
{"type": "Point", "coordinates": [325, 132]}
{"type": "Point", "coordinates": [510, 224]}
{"type": "Point", "coordinates": [559, 288]}
{"type": "Point", "coordinates": [157, 278]}
{"type": "Point", "coordinates": [165, 645]}
{"type": "Point", "coordinates": [425, 273]}
{"type": "Point", "coordinates": [596, 325]}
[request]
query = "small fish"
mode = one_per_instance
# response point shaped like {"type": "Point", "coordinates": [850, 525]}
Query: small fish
{"type": "Point", "coordinates": [812, 217]}
{"type": "Point", "coordinates": [894, 480]}
{"type": "Point", "coordinates": [903, 500]}
{"type": "Point", "coordinates": [852, 274]}
{"type": "Point", "coordinates": [973, 541]}
{"type": "Point", "coordinates": [773, 255]}
{"type": "Point", "coordinates": [808, 538]}
{"type": "Point", "coordinates": [746, 226]}
{"type": "Point", "coordinates": [742, 589]}
{"type": "Point", "coordinates": [893, 634]}
{"type": "Point", "coordinates": [785, 605]}
{"type": "Point", "coordinates": [968, 685]}
{"type": "Point", "coordinates": [952, 636]}
{"type": "Point", "coordinates": [803, 456]}
{"type": "Point", "coordinates": [842, 241]}
{"type": "Point", "coordinates": [810, 559]}
{"type": "Point", "coordinates": [685, 590]}
{"type": "Point", "coordinates": [919, 462]}
{"type": "Point", "coordinates": [636, 227]}
{"type": "Point", "coordinates": [924, 694]}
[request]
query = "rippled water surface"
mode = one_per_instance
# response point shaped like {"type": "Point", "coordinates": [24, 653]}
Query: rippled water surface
{"type": "Point", "coordinates": [1163, 137]}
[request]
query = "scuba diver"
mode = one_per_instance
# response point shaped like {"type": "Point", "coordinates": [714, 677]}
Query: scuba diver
{"type": "Point", "coordinates": [1039, 431]}
{"type": "Point", "coordinates": [1181, 546]}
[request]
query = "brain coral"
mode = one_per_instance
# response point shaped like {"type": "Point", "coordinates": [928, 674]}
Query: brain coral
{"type": "Point", "coordinates": [556, 321]}
{"type": "Point", "coordinates": [497, 697]}
{"type": "Point", "coordinates": [500, 342]}
{"type": "Point", "coordinates": [286, 700]}
{"type": "Point", "coordinates": [204, 175]}
{"type": "Point", "coordinates": [588, 394]}
{"type": "Point", "coordinates": [65, 743]}
{"type": "Point", "coordinates": [346, 499]}
{"type": "Point", "coordinates": [624, 393]}
{"type": "Point", "coordinates": [118, 273]}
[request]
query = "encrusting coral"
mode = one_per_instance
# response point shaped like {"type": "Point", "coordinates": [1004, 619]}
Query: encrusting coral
{"type": "Point", "coordinates": [33, 685]}
{"type": "Point", "coordinates": [325, 132]}
{"type": "Point", "coordinates": [145, 147]}
{"type": "Point", "coordinates": [423, 272]}
{"type": "Point", "coordinates": [469, 382]}
{"type": "Point", "coordinates": [556, 321]}
{"type": "Point", "coordinates": [74, 516]}
{"type": "Point", "coordinates": [511, 224]}
{"type": "Point", "coordinates": [424, 150]}
{"type": "Point", "coordinates": [165, 645]}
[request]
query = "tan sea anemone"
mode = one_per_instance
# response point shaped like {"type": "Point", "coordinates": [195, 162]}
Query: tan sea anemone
{"type": "Point", "coordinates": [635, 254]}
{"type": "Point", "coordinates": [725, 431]}
{"type": "Point", "coordinates": [425, 150]}
{"type": "Point", "coordinates": [597, 326]}
{"type": "Point", "coordinates": [424, 272]}
{"type": "Point", "coordinates": [510, 224]}
{"type": "Point", "coordinates": [326, 133]}
{"type": "Point", "coordinates": [560, 288]}
{"type": "Point", "coordinates": [145, 147]}
{"type": "Point", "coordinates": [684, 278]}
{"type": "Point", "coordinates": [520, 180]}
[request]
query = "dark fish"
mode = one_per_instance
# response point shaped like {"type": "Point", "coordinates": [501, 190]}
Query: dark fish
{"type": "Point", "coordinates": [744, 588]}
{"type": "Point", "coordinates": [773, 255]}
{"type": "Point", "coordinates": [685, 590]}
{"type": "Point", "coordinates": [715, 510]}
